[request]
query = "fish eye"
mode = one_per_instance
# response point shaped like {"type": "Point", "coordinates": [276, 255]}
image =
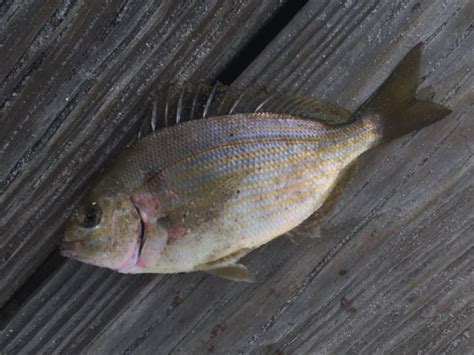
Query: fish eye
{"type": "Point", "coordinates": [91, 215]}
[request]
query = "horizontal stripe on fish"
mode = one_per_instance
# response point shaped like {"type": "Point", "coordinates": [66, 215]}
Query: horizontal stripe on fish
{"type": "Point", "coordinates": [230, 128]}
{"type": "Point", "coordinates": [313, 143]}
{"type": "Point", "coordinates": [268, 170]}
{"type": "Point", "coordinates": [258, 155]}
{"type": "Point", "coordinates": [302, 179]}
{"type": "Point", "coordinates": [309, 184]}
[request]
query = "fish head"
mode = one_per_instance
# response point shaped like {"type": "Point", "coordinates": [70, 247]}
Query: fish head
{"type": "Point", "coordinates": [105, 230]}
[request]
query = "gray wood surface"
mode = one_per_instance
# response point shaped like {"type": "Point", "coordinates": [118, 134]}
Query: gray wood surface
{"type": "Point", "coordinates": [392, 270]}
{"type": "Point", "coordinates": [77, 84]}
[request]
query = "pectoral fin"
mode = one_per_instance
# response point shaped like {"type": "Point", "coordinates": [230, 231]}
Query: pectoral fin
{"type": "Point", "coordinates": [234, 272]}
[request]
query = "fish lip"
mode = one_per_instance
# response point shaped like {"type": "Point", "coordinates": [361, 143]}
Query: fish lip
{"type": "Point", "coordinates": [67, 249]}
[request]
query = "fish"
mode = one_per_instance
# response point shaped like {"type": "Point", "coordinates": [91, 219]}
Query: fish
{"type": "Point", "coordinates": [236, 170]}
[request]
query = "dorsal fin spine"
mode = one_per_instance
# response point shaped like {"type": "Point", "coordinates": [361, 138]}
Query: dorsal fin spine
{"type": "Point", "coordinates": [179, 103]}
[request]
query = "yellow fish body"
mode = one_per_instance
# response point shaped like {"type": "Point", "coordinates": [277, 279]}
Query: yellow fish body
{"type": "Point", "coordinates": [202, 194]}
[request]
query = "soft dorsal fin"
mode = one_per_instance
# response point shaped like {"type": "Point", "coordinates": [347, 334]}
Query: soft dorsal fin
{"type": "Point", "coordinates": [178, 103]}
{"type": "Point", "coordinates": [233, 272]}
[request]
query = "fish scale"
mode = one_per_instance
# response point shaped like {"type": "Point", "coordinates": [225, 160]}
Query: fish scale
{"type": "Point", "coordinates": [259, 154]}
{"type": "Point", "coordinates": [299, 179]}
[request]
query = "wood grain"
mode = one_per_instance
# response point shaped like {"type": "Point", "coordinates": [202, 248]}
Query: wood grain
{"type": "Point", "coordinates": [75, 91]}
{"type": "Point", "coordinates": [393, 270]}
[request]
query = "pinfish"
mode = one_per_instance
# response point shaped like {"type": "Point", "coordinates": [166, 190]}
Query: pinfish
{"type": "Point", "coordinates": [201, 194]}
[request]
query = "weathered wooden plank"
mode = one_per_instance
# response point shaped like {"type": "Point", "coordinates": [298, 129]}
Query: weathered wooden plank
{"type": "Point", "coordinates": [15, 40]}
{"type": "Point", "coordinates": [77, 85]}
{"type": "Point", "coordinates": [393, 269]}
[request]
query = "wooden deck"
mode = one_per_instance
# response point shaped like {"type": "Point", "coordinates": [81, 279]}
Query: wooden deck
{"type": "Point", "coordinates": [393, 269]}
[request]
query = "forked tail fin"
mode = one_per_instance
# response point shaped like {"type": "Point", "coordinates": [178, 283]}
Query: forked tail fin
{"type": "Point", "coordinates": [395, 101]}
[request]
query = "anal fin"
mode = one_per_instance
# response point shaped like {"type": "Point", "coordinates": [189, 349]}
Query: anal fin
{"type": "Point", "coordinates": [311, 227]}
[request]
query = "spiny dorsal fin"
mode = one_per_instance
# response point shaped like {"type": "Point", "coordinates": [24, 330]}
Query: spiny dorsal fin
{"type": "Point", "coordinates": [179, 103]}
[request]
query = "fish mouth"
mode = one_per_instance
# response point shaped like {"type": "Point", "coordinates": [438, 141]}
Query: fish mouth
{"type": "Point", "coordinates": [69, 249]}
{"type": "Point", "coordinates": [141, 236]}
